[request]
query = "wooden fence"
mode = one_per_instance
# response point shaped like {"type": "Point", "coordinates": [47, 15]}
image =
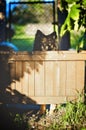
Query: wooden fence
{"type": "Point", "coordinates": [41, 77]}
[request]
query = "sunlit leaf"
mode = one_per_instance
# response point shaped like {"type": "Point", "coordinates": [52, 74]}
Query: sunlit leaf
{"type": "Point", "coordinates": [74, 12]}
{"type": "Point", "coordinates": [84, 3]}
{"type": "Point", "coordinates": [63, 30]}
{"type": "Point", "coordinates": [65, 26]}
{"type": "Point", "coordinates": [71, 1]}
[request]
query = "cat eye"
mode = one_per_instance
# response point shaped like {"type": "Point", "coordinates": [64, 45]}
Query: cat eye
{"type": "Point", "coordinates": [45, 42]}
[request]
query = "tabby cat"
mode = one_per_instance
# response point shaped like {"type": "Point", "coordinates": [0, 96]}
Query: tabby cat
{"type": "Point", "coordinates": [45, 42]}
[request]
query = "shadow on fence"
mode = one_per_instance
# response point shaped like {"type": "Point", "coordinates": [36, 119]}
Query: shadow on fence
{"type": "Point", "coordinates": [5, 81]}
{"type": "Point", "coordinates": [10, 73]}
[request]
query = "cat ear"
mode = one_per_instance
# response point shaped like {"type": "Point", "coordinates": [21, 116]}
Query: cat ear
{"type": "Point", "coordinates": [40, 33]}
{"type": "Point", "coordinates": [54, 35]}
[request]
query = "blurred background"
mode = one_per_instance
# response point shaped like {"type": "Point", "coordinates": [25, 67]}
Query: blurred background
{"type": "Point", "coordinates": [24, 17]}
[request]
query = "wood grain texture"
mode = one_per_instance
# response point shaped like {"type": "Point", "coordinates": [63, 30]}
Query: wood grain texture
{"type": "Point", "coordinates": [49, 77]}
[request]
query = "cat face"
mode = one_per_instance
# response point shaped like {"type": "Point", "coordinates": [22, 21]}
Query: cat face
{"type": "Point", "coordinates": [45, 42]}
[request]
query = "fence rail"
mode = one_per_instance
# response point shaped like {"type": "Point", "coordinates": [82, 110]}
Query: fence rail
{"type": "Point", "coordinates": [43, 77]}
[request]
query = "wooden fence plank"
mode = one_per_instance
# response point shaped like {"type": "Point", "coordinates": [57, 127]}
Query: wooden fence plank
{"type": "Point", "coordinates": [50, 99]}
{"type": "Point", "coordinates": [49, 66]}
{"type": "Point", "coordinates": [48, 77]}
{"type": "Point", "coordinates": [18, 76]}
{"type": "Point", "coordinates": [56, 78]}
{"type": "Point", "coordinates": [49, 55]}
{"type": "Point", "coordinates": [25, 78]}
{"type": "Point", "coordinates": [63, 76]}
{"type": "Point", "coordinates": [13, 76]}
{"type": "Point", "coordinates": [31, 79]}
{"type": "Point", "coordinates": [80, 76]}
{"type": "Point", "coordinates": [71, 78]}
{"type": "Point", "coordinates": [39, 79]}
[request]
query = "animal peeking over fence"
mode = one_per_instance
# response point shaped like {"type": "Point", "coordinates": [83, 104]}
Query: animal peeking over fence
{"type": "Point", "coordinates": [45, 42]}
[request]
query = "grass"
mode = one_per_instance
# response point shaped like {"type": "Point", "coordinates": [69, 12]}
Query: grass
{"type": "Point", "coordinates": [23, 44]}
{"type": "Point", "coordinates": [73, 116]}
{"type": "Point", "coordinates": [22, 40]}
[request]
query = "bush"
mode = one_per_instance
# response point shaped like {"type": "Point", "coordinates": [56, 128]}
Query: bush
{"type": "Point", "coordinates": [73, 116]}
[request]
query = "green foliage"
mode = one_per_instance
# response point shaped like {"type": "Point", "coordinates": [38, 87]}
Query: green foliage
{"type": "Point", "coordinates": [71, 1]}
{"type": "Point", "coordinates": [73, 15]}
{"type": "Point", "coordinates": [74, 11]}
{"type": "Point", "coordinates": [20, 14]}
{"type": "Point", "coordinates": [73, 115]}
{"type": "Point", "coordinates": [84, 3]}
{"type": "Point", "coordinates": [78, 40]}
{"type": "Point", "coordinates": [19, 122]}
{"type": "Point", "coordinates": [32, 13]}
{"type": "Point", "coordinates": [76, 15]}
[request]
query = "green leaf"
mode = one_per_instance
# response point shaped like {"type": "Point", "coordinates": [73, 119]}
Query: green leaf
{"type": "Point", "coordinates": [71, 1]}
{"type": "Point", "coordinates": [63, 28]}
{"type": "Point", "coordinates": [84, 3]}
{"type": "Point", "coordinates": [74, 11]}
{"type": "Point", "coordinates": [66, 26]}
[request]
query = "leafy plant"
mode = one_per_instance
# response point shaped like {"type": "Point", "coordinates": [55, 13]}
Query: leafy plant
{"type": "Point", "coordinates": [73, 15]}
{"type": "Point", "coordinates": [75, 113]}
{"type": "Point", "coordinates": [75, 20]}
{"type": "Point", "coordinates": [19, 122]}
{"type": "Point", "coordinates": [73, 116]}
{"type": "Point", "coordinates": [76, 15]}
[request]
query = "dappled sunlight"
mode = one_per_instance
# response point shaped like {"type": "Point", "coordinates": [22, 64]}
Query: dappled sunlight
{"type": "Point", "coordinates": [41, 77]}
{"type": "Point", "coordinates": [15, 72]}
